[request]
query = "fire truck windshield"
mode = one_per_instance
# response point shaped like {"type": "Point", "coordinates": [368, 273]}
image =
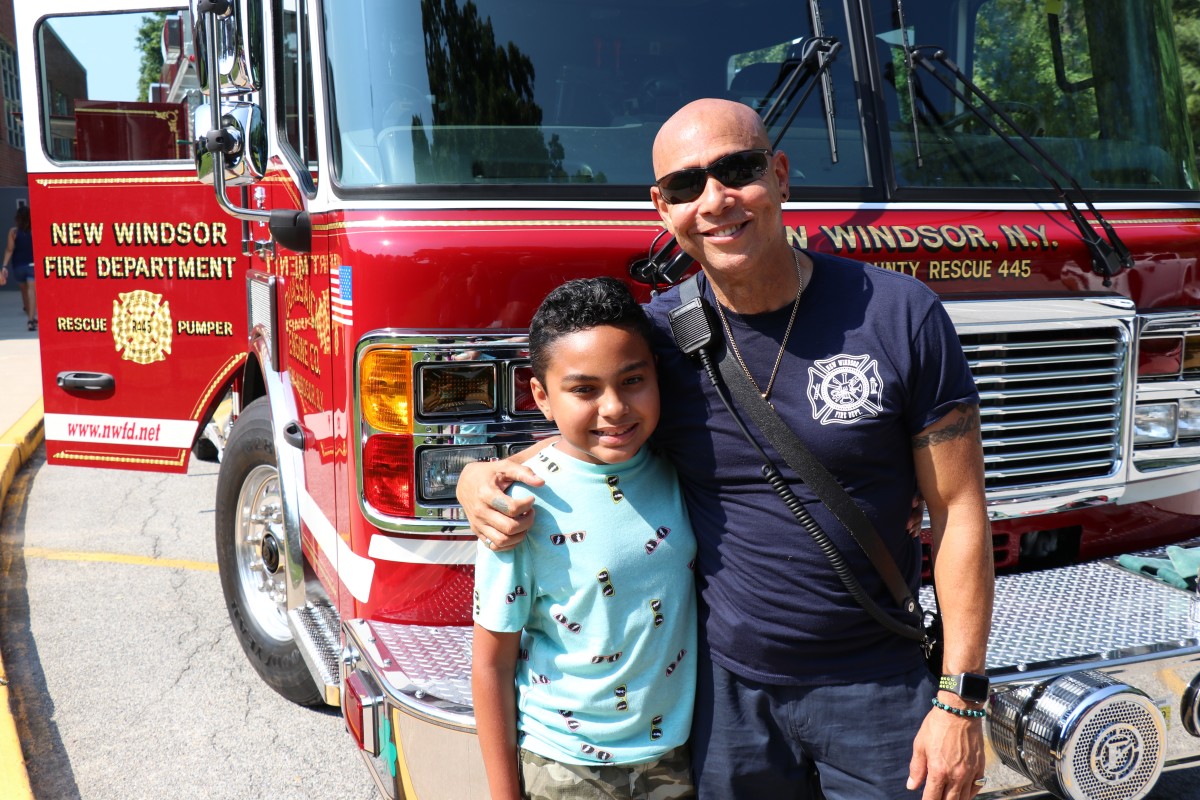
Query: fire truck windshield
{"type": "Point", "coordinates": [539, 98]}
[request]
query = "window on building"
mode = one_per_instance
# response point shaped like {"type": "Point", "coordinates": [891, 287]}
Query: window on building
{"type": "Point", "coordinates": [13, 127]}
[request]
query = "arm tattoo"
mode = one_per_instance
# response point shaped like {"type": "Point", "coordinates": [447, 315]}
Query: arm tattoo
{"type": "Point", "coordinates": [500, 503]}
{"type": "Point", "coordinates": [965, 426]}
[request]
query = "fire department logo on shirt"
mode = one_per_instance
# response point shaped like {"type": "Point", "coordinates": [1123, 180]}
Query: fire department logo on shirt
{"type": "Point", "coordinates": [141, 326]}
{"type": "Point", "coordinates": [844, 389]}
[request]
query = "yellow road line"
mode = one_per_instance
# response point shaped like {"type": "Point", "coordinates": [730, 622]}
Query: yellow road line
{"type": "Point", "coordinates": [117, 558]}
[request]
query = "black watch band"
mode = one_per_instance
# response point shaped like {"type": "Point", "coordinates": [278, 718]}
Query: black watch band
{"type": "Point", "coordinates": [970, 686]}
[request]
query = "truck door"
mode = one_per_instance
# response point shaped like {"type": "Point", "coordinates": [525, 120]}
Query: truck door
{"type": "Point", "coordinates": [139, 274]}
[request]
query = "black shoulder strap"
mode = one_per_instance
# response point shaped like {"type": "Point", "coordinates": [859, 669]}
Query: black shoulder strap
{"type": "Point", "coordinates": [690, 289]}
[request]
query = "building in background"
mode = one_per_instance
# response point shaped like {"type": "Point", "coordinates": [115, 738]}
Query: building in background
{"type": "Point", "coordinates": [13, 189]}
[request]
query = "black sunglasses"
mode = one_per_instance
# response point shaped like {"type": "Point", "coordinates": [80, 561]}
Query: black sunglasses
{"type": "Point", "coordinates": [734, 171]}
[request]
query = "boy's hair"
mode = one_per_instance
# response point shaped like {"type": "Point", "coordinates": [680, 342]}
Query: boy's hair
{"type": "Point", "coordinates": [580, 305]}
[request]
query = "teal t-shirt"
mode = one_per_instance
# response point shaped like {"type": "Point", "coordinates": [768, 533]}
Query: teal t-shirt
{"type": "Point", "coordinates": [602, 587]}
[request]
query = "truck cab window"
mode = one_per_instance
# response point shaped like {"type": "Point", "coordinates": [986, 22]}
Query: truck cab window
{"type": "Point", "coordinates": [1101, 99]}
{"type": "Point", "coordinates": [534, 93]}
{"type": "Point", "coordinates": [296, 116]}
{"type": "Point", "coordinates": [117, 87]}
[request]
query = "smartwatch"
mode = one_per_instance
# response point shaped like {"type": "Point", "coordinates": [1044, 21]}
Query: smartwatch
{"type": "Point", "coordinates": [970, 686]}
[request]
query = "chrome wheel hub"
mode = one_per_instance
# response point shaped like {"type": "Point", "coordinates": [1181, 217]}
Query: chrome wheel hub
{"type": "Point", "coordinates": [260, 551]}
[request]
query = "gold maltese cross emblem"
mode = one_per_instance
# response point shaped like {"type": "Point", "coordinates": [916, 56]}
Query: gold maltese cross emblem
{"type": "Point", "coordinates": [141, 326]}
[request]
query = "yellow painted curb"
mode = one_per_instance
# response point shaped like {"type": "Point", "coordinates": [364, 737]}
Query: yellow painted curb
{"type": "Point", "coordinates": [14, 780]}
{"type": "Point", "coordinates": [16, 446]}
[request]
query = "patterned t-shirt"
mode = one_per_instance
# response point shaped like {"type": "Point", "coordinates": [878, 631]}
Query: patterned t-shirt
{"type": "Point", "coordinates": [602, 588]}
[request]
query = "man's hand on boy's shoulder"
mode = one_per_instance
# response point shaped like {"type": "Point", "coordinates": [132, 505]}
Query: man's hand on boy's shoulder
{"type": "Point", "coordinates": [499, 520]}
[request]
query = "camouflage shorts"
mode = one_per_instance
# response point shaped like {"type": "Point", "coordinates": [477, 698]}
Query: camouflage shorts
{"type": "Point", "coordinates": [669, 778]}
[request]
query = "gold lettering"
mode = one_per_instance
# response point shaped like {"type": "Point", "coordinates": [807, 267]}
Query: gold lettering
{"type": "Point", "coordinates": [152, 234]}
{"type": "Point", "coordinates": [882, 238]}
{"type": "Point", "coordinates": [841, 238]}
{"type": "Point", "coordinates": [955, 238]}
{"type": "Point", "coordinates": [83, 324]}
{"type": "Point", "coordinates": [190, 327]}
{"type": "Point", "coordinates": [64, 266]}
{"type": "Point", "coordinates": [304, 352]}
{"type": "Point", "coordinates": [975, 238]}
{"type": "Point", "coordinates": [1017, 240]}
{"type": "Point", "coordinates": [907, 238]}
{"type": "Point", "coordinates": [797, 237]}
{"type": "Point", "coordinates": [955, 269]}
{"type": "Point", "coordinates": [930, 237]}
{"type": "Point", "coordinates": [310, 396]}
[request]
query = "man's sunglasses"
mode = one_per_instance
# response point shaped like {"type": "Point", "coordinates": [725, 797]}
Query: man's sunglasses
{"type": "Point", "coordinates": [733, 171]}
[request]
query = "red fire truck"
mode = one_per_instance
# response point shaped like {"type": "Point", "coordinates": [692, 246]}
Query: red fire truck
{"type": "Point", "coordinates": [386, 190]}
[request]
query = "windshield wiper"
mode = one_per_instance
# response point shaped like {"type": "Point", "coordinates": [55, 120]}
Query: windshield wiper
{"type": "Point", "coordinates": [1108, 257]}
{"type": "Point", "coordinates": [806, 62]}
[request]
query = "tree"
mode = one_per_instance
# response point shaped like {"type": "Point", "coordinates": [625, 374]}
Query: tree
{"type": "Point", "coordinates": [1187, 40]}
{"type": "Point", "coordinates": [149, 43]}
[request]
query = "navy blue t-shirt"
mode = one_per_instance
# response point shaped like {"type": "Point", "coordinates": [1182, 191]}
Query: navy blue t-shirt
{"type": "Point", "coordinates": [873, 359]}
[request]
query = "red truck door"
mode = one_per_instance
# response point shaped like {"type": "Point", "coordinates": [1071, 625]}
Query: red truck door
{"type": "Point", "coordinates": [139, 275]}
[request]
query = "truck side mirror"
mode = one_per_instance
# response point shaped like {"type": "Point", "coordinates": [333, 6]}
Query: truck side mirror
{"type": "Point", "coordinates": [232, 46]}
{"type": "Point", "coordinates": [242, 139]}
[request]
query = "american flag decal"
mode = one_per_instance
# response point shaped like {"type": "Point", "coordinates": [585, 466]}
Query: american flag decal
{"type": "Point", "coordinates": [341, 290]}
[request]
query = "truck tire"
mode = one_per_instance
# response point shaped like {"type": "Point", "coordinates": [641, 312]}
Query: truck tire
{"type": "Point", "coordinates": [251, 556]}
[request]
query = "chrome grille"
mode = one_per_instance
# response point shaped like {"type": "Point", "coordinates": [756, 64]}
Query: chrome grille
{"type": "Point", "coordinates": [1050, 403]}
{"type": "Point", "coordinates": [262, 312]}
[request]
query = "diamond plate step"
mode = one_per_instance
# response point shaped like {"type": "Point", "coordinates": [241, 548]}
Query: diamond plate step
{"type": "Point", "coordinates": [317, 628]}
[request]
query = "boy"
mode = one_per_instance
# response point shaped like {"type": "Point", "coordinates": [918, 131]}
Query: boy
{"type": "Point", "coordinates": [594, 611]}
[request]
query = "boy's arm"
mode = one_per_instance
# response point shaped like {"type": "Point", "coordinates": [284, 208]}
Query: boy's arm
{"type": "Point", "coordinates": [494, 516]}
{"type": "Point", "coordinates": [493, 671]}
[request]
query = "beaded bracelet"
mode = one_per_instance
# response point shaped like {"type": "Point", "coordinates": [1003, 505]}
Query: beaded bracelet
{"type": "Point", "coordinates": [960, 712]}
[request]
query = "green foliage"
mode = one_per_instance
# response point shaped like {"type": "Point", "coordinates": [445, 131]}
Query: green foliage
{"type": "Point", "coordinates": [149, 43]}
{"type": "Point", "coordinates": [1187, 40]}
{"type": "Point", "coordinates": [1030, 78]}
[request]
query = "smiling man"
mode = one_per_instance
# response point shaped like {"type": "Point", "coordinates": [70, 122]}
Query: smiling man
{"type": "Point", "coordinates": [797, 683]}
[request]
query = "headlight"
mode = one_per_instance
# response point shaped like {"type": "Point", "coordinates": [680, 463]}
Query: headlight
{"type": "Point", "coordinates": [1189, 419]}
{"type": "Point", "coordinates": [1191, 355]}
{"type": "Point", "coordinates": [441, 466]}
{"type": "Point", "coordinates": [1155, 423]}
{"type": "Point", "coordinates": [457, 389]}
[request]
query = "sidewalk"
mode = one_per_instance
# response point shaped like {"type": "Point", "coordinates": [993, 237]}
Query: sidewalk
{"type": "Point", "coordinates": [20, 435]}
{"type": "Point", "coordinates": [20, 390]}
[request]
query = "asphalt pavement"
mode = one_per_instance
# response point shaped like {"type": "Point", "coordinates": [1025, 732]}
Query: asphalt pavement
{"type": "Point", "coordinates": [21, 427]}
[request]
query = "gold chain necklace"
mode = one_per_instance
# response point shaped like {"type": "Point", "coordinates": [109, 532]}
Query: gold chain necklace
{"type": "Point", "coordinates": [782, 346]}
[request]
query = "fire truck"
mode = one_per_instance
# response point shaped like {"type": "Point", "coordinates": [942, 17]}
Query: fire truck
{"type": "Point", "coordinates": [311, 248]}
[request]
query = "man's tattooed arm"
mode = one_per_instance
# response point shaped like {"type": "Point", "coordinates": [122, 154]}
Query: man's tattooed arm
{"type": "Point", "coordinates": [966, 425]}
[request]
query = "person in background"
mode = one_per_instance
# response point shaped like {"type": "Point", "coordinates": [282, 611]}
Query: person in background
{"type": "Point", "coordinates": [584, 665]}
{"type": "Point", "coordinates": [19, 254]}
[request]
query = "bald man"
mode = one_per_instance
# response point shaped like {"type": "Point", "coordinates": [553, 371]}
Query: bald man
{"type": "Point", "coordinates": [798, 686]}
